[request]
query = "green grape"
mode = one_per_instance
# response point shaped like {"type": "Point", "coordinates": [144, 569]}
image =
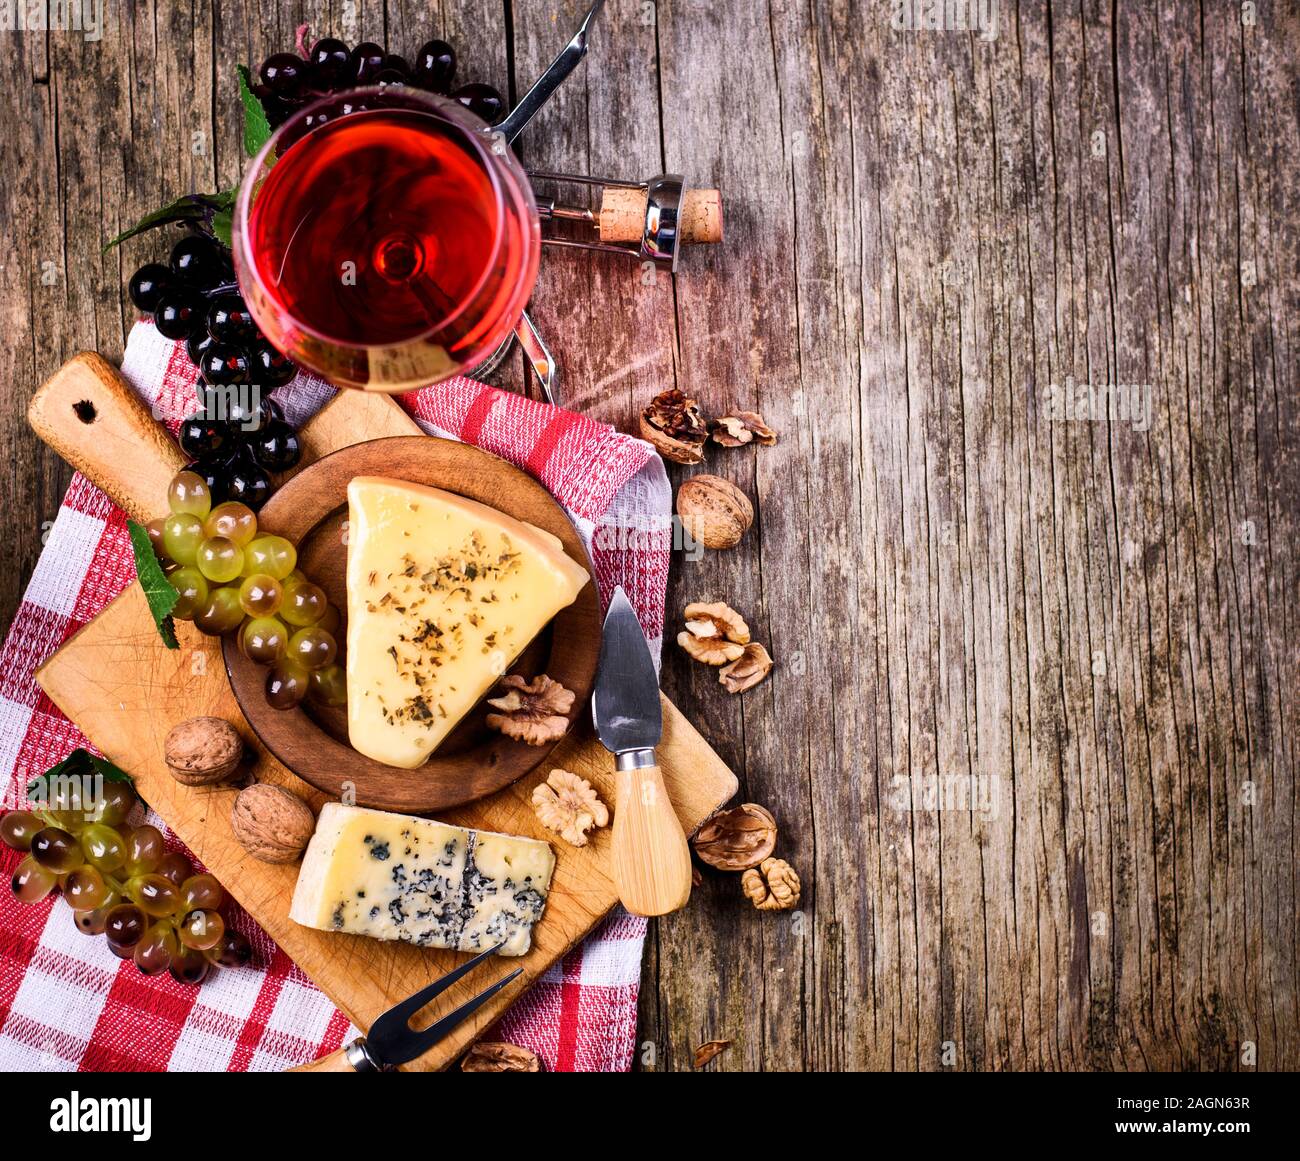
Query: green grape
{"type": "Point", "coordinates": [270, 554]}
{"type": "Point", "coordinates": [330, 620]}
{"type": "Point", "coordinates": [190, 967]}
{"type": "Point", "coordinates": [155, 530]}
{"type": "Point", "coordinates": [191, 592]}
{"type": "Point", "coordinates": [260, 595]}
{"type": "Point", "coordinates": [56, 850]}
{"type": "Point", "coordinates": [201, 892]}
{"type": "Point", "coordinates": [124, 925]}
{"type": "Point", "coordinates": [176, 867]}
{"type": "Point", "coordinates": [153, 954]}
{"type": "Point", "coordinates": [156, 896]}
{"type": "Point", "coordinates": [219, 559]}
{"type": "Point", "coordinates": [201, 929]}
{"type": "Point", "coordinates": [86, 889]}
{"type": "Point", "coordinates": [114, 804]}
{"type": "Point", "coordinates": [304, 603]}
{"type": "Point", "coordinates": [233, 520]}
{"type": "Point", "coordinates": [188, 493]}
{"type": "Point", "coordinates": [220, 613]}
{"type": "Point", "coordinates": [95, 921]}
{"type": "Point", "coordinates": [32, 882]}
{"type": "Point", "coordinates": [144, 849]}
{"type": "Point", "coordinates": [312, 648]}
{"type": "Point", "coordinates": [233, 950]}
{"type": "Point", "coordinates": [103, 847]}
{"type": "Point", "coordinates": [66, 804]}
{"type": "Point", "coordinates": [182, 534]}
{"type": "Point", "coordinates": [286, 685]}
{"type": "Point", "coordinates": [17, 828]}
{"type": "Point", "coordinates": [263, 639]}
{"type": "Point", "coordinates": [329, 686]}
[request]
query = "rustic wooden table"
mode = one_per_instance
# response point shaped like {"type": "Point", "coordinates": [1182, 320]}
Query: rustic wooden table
{"type": "Point", "coordinates": [943, 247]}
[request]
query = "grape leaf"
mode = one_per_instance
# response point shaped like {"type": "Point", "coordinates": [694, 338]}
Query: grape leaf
{"type": "Point", "coordinates": [158, 591]}
{"type": "Point", "coordinates": [222, 222]}
{"type": "Point", "coordinates": [257, 129]}
{"type": "Point", "coordinates": [79, 764]}
{"type": "Point", "coordinates": [194, 209]}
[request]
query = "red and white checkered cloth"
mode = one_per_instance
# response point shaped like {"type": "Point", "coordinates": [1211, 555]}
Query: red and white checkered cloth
{"type": "Point", "coordinates": [66, 1003]}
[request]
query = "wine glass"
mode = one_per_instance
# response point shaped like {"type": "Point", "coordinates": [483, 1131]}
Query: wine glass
{"type": "Point", "coordinates": [386, 238]}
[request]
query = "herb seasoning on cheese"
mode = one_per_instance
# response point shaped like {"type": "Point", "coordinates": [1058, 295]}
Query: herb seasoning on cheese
{"type": "Point", "coordinates": [443, 594]}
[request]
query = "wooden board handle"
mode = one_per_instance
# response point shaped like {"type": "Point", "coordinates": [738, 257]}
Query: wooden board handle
{"type": "Point", "coordinates": [93, 418]}
{"type": "Point", "coordinates": [652, 865]}
{"type": "Point", "coordinates": [622, 215]}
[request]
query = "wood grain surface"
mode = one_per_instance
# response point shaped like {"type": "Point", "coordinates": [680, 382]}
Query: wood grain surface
{"type": "Point", "coordinates": [926, 230]}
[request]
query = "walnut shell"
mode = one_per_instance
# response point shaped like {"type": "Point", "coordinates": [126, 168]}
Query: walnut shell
{"type": "Point", "coordinates": [203, 751]}
{"type": "Point", "coordinates": [736, 839]}
{"type": "Point", "coordinates": [498, 1056]}
{"type": "Point", "coordinates": [271, 824]}
{"type": "Point", "coordinates": [708, 1051]}
{"type": "Point", "coordinates": [714, 511]}
{"type": "Point", "coordinates": [676, 427]}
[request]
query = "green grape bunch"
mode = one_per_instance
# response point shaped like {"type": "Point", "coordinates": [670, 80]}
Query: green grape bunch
{"type": "Point", "coordinates": [231, 577]}
{"type": "Point", "coordinates": [150, 905]}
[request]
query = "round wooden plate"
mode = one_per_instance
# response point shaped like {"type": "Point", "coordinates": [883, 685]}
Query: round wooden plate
{"type": "Point", "coordinates": [473, 761]}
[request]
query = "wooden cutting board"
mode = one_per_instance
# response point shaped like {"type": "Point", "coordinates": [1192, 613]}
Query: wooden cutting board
{"type": "Point", "coordinates": [124, 690]}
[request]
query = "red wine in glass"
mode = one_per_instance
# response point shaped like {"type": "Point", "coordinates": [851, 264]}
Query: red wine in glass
{"type": "Point", "coordinates": [388, 247]}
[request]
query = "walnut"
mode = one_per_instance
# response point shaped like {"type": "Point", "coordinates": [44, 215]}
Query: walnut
{"type": "Point", "coordinates": [741, 427]}
{"type": "Point", "coordinates": [203, 751]}
{"type": "Point", "coordinates": [498, 1056]}
{"type": "Point", "coordinates": [567, 805]}
{"type": "Point", "coordinates": [714, 634]}
{"type": "Point", "coordinates": [271, 824]}
{"type": "Point", "coordinates": [676, 427]}
{"type": "Point", "coordinates": [772, 886]}
{"type": "Point", "coordinates": [708, 1051]}
{"type": "Point", "coordinates": [736, 839]}
{"type": "Point", "coordinates": [747, 670]}
{"type": "Point", "coordinates": [714, 511]}
{"type": "Point", "coordinates": [534, 711]}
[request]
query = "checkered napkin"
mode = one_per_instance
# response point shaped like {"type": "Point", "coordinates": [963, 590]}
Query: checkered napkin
{"type": "Point", "coordinates": [66, 1003]}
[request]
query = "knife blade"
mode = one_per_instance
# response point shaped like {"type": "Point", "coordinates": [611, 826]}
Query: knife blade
{"type": "Point", "coordinates": [625, 706]}
{"type": "Point", "coordinates": [652, 865]}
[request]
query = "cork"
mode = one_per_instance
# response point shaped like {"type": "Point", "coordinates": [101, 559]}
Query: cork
{"type": "Point", "coordinates": [622, 215]}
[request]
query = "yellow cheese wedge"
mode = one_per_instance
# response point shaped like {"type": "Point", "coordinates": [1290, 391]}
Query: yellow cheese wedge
{"type": "Point", "coordinates": [443, 594]}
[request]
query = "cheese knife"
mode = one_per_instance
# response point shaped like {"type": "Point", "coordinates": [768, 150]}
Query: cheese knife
{"type": "Point", "coordinates": [392, 1040]}
{"type": "Point", "coordinates": [652, 866]}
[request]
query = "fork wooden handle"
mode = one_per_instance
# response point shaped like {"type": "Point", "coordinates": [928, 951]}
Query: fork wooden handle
{"type": "Point", "coordinates": [652, 865]}
{"type": "Point", "coordinates": [334, 1062]}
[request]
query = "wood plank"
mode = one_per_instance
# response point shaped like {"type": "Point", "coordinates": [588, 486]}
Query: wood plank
{"type": "Point", "coordinates": [922, 237]}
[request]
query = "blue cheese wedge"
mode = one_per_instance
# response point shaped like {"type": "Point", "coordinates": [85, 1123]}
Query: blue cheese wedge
{"type": "Point", "coordinates": [397, 877]}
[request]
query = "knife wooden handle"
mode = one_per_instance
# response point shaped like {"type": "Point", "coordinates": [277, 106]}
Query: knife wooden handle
{"type": "Point", "coordinates": [90, 415]}
{"type": "Point", "coordinates": [652, 865]}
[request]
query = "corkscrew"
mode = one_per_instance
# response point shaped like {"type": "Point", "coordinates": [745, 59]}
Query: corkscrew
{"type": "Point", "coordinates": [647, 220]}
